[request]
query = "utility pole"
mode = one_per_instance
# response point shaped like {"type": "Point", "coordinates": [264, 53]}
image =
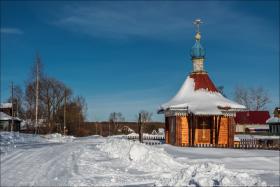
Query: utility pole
{"type": "Point", "coordinates": [109, 126]}
{"type": "Point", "coordinates": [37, 94]}
{"type": "Point", "coordinates": [17, 107]}
{"type": "Point", "coordinates": [140, 128]}
{"type": "Point", "coordinates": [64, 121]}
{"type": "Point", "coordinates": [12, 126]}
{"type": "Point", "coordinates": [96, 127]}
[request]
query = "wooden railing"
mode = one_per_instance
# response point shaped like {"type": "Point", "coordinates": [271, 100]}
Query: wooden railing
{"type": "Point", "coordinates": [242, 144]}
{"type": "Point", "coordinates": [149, 137]}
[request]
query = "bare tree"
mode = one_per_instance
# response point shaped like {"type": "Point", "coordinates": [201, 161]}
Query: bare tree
{"type": "Point", "coordinates": [45, 101]}
{"type": "Point", "coordinates": [146, 116]}
{"type": "Point", "coordinates": [252, 98]}
{"type": "Point", "coordinates": [52, 99]}
{"type": "Point", "coordinates": [221, 90]}
{"type": "Point", "coordinates": [143, 117]}
{"type": "Point", "coordinates": [116, 118]}
{"type": "Point", "coordinates": [259, 98]}
{"type": "Point", "coordinates": [53, 93]}
{"type": "Point", "coordinates": [75, 114]}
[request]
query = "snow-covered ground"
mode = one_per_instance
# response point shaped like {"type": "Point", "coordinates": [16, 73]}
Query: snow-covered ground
{"type": "Point", "coordinates": [56, 160]}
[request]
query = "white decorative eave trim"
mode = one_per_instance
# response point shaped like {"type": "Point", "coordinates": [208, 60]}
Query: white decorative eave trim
{"type": "Point", "coordinates": [182, 109]}
{"type": "Point", "coordinates": [169, 113]}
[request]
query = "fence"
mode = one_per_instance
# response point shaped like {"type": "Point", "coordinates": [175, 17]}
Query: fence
{"type": "Point", "coordinates": [245, 144]}
{"type": "Point", "coordinates": [270, 144]}
{"type": "Point", "coordinates": [273, 144]}
{"type": "Point", "coordinates": [148, 139]}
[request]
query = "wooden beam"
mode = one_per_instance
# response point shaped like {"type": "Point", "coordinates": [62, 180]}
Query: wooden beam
{"type": "Point", "coordinates": [193, 129]}
{"type": "Point", "coordinates": [215, 128]}
{"type": "Point", "coordinates": [229, 133]}
{"type": "Point", "coordinates": [211, 130]}
{"type": "Point", "coordinates": [218, 128]}
{"type": "Point", "coordinates": [189, 129]}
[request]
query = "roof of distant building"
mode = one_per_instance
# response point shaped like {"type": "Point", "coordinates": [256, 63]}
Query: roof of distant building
{"type": "Point", "coordinates": [6, 105]}
{"type": "Point", "coordinates": [251, 117]}
{"type": "Point", "coordinates": [6, 117]}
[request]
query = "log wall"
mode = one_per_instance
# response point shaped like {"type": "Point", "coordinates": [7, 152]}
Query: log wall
{"type": "Point", "coordinates": [223, 132]}
{"type": "Point", "coordinates": [178, 130]}
{"type": "Point", "coordinates": [182, 130]}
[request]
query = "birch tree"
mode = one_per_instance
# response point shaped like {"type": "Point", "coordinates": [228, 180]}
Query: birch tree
{"type": "Point", "coordinates": [116, 118]}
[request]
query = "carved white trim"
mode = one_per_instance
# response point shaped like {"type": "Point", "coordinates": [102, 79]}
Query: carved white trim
{"type": "Point", "coordinates": [169, 113]}
{"type": "Point", "coordinates": [198, 65]}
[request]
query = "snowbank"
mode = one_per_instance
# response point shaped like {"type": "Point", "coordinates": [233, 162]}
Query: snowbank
{"type": "Point", "coordinates": [153, 159]}
{"type": "Point", "coordinates": [140, 156]}
{"type": "Point", "coordinates": [10, 140]}
{"type": "Point", "coordinates": [56, 137]}
{"type": "Point", "coordinates": [209, 174]}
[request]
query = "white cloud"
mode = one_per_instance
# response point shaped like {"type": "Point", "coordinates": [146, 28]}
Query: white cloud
{"type": "Point", "coordinates": [11, 31]}
{"type": "Point", "coordinates": [157, 20]}
{"type": "Point", "coordinates": [140, 19]}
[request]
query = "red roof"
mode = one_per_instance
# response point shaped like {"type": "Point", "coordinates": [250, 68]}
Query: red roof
{"type": "Point", "coordinates": [203, 81]}
{"type": "Point", "coordinates": [252, 117]}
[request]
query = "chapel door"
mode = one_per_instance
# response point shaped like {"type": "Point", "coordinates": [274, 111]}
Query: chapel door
{"type": "Point", "coordinates": [203, 130]}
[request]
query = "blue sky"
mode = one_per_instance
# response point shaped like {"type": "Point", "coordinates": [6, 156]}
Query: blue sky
{"type": "Point", "coordinates": [127, 56]}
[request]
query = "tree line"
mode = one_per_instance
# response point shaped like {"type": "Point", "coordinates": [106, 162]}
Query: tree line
{"type": "Point", "coordinates": [56, 103]}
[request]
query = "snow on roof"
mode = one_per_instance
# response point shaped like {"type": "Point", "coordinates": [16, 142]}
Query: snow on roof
{"type": "Point", "coordinates": [6, 105]}
{"type": "Point", "coordinates": [273, 120]}
{"type": "Point", "coordinates": [200, 101]}
{"type": "Point", "coordinates": [251, 137]}
{"type": "Point", "coordinates": [258, 127]}
{"type": "Point", "coordinates": [6, 117]}
{"type": "Point", "coordinates": [236, 138]}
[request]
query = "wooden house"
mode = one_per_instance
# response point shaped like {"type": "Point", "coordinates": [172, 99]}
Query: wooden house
{"type": "Point", "coordinates": [251, 122]}
{"type": "Point", "coordinates": [198, 113]}
{"type": "Point", "coordinates": [8, 122]}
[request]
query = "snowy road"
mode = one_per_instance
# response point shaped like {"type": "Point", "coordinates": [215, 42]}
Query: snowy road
{"type": "Point", "coordinates": [113, 161]}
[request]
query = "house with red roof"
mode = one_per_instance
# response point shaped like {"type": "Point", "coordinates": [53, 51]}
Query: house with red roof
{"type": "Point", "coordinates": [251, 121]}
